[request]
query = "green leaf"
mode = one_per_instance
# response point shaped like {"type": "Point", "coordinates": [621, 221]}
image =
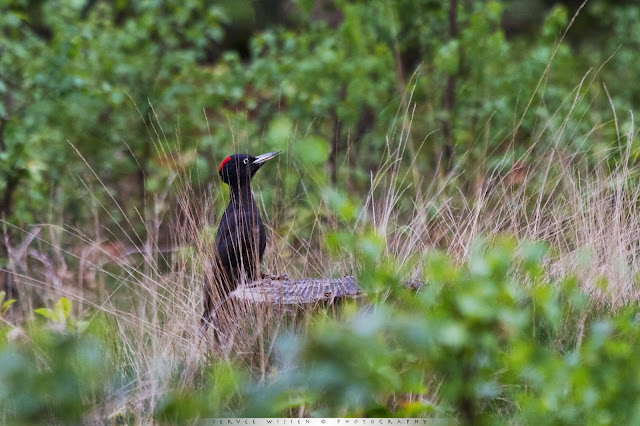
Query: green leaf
{"type": "Point", "coordinates": [81, 326]}
{"type": "Point", "coordinates": [447, 59]}
{"type": "Point", "coordinates": [340, 204]}
{"type": "Point", "coordinates": [312, 150]}
{"type": "Point", "coordinates": [60, 313]}
{"type": "Point", "coordinates": [63, 308]}
{"type": "Point", "coordinates": [6, 305]}
{"type": "Point", "coordinates": [280, 131]}
{"type": "Point", "coordinates": [47, 313]}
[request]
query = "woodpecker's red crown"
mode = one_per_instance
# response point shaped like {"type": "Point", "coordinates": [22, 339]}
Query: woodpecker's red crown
{"type": "Point", "coordinates": [225, 161]}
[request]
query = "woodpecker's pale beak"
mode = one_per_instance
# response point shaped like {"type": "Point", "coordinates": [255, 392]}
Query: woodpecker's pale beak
{"type": "Point", "coordinates": [261, 159]}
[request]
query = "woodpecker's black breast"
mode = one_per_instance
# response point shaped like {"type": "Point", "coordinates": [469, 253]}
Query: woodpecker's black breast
{"type": "Point", "coordinates": [239, 244]}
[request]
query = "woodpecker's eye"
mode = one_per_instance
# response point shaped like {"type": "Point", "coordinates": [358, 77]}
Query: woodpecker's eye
{"type": "Point", "coordinates": [245, 161]}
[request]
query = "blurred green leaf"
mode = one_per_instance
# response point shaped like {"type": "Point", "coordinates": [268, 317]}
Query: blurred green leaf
{"type": "Point", "coordinates": [312, 150]}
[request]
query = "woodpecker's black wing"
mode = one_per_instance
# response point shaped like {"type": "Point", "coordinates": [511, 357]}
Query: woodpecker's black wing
{"type": "Point", "coordinates": [240, 244]}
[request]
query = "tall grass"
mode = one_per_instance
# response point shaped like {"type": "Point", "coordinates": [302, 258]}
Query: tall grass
{"type": "Point", "coordinates": [149, 295]}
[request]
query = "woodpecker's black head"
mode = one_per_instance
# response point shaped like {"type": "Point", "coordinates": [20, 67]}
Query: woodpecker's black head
{"type": "Point", "coordinates": [238, 169]}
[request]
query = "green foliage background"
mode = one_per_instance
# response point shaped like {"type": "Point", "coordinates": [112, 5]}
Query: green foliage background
{"type": "Point", "coordinates": [327, 76]}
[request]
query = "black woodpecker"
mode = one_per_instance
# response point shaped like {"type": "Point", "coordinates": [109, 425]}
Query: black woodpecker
{"type": "Point", "coordinates": [241, 239]}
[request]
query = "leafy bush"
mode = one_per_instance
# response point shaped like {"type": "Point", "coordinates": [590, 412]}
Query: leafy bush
{"type": "Point", "coordinates": [53, 374]}
{"type": "Point", "coordinates": [474, 336]}
{"type": "Point", "coordinates": [113, 80]}
{"type": "Point", "coordinates": [474, 343]}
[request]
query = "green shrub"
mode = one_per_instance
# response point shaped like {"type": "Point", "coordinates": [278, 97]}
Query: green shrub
{"type": "Point", "coordinates": [54, 377]}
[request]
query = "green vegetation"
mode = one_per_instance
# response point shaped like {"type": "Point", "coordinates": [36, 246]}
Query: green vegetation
{"type": "Point", "coordinates": [490, 156]}
{"type": "Point", "coordinates": [475, 344]}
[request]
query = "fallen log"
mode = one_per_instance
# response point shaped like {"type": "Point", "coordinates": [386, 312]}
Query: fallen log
{"type": "Point", "coordinates": [283, 291]}
{"type": "Point", "coordinates": [298, 292]}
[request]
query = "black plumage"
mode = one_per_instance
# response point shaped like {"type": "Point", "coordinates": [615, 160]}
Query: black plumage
{"type": "Point", "coordinates": [241, 239]}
